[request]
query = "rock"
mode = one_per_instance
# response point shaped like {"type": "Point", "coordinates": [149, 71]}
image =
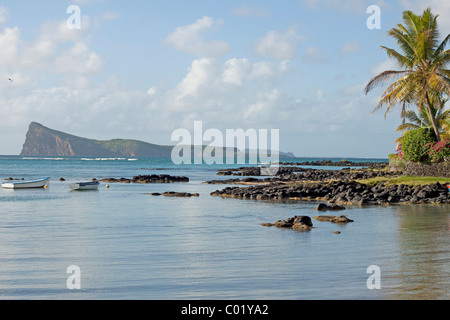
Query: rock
{"type": "Point", "coordinates": [334, 219]}
{"type": "Point", "coordinates": [266, 224]}
{"type": "Point", "coordinates": [305, 220]}
{"type": "Point", "coordinates": [359, 202]}
{"type": "Point", "coordinates": [301, 227]}
{"type": "Point", "coordinates": [299, 223]}
{"type": "Point", "coordinates": [161, 178]}
{"type": "Point", "coordinates": [329, 207]}
{"type": "Point", "coordinates": [283, 224]}
{"type": "Point", "coordinates": [175, 194]}
{"type": "Point", "coordinates": [337, 187]}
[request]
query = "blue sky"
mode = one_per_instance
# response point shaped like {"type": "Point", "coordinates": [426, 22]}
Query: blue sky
{"type": "Point", "coordinates": [141, 69]}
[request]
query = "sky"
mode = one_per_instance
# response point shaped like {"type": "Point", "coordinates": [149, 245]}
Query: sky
{"type": "Point", "coordinates": [142, 69]}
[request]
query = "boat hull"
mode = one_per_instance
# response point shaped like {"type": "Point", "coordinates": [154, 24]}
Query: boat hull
{"type": "Point", "coordinates": [84, 185]}
{"type": "Point", "coordinates": [33, 184]}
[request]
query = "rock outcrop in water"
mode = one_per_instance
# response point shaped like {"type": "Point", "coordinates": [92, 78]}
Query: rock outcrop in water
{"type": "Point", "coordinates": [299, 223]}
{"type": "Point", "coordinates": [155, 178]}
{"type": "Point", "coordinates": [175, 194]}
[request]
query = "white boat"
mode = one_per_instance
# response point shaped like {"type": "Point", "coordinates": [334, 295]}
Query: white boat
{"type": "Point", "coordinates": [31, 184]}
{"type": "Point", "coordinates": [93, 185]}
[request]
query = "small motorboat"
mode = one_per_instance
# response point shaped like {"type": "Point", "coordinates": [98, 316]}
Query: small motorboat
{"type": "Point", "coordinates": [92, 185]}
{"type": "Point", "coordinates": [31, 184]}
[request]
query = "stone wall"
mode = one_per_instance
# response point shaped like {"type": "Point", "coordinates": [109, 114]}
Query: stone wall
{"type": "Point", "coordinates": [441, 169]}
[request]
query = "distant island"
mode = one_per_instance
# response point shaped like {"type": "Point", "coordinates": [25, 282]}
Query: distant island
{"type": "Point", "coordinates": [45, 142]}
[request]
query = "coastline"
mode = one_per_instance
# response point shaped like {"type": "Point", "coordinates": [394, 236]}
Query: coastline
{"type": "Point", "coordinates": [355, 187]}
{"type": "Point", "coordinates": [152, 236]}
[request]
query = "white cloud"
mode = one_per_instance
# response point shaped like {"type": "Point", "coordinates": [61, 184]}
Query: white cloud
{"type": "Point", "coordinates": [78, 60]}
{"type": "Point", "coordinates": [236, 71]}
{"type": "Point", "coordinates": [58, 31]}
{"type": "Point", "coordinates": [56, 49]}
{"type": "Point", "coordinates": [9, 44]}
{"type": "Point", "coordinates": [4, 14]}
{"type": "Point", "coordinates": [202, 72]}
{"type": "Point", "coordinates": [278, 45]}
{"type": "Point", "coordinates": [189, 39]}
{"type": "Point", "coordinates": [152, 91]}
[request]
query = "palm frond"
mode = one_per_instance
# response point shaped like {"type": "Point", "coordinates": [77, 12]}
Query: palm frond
{"type": "Point", "coordinates": [382, 78]}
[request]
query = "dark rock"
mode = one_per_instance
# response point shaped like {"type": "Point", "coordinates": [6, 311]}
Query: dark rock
{"type": "Point", "coordinates": [148, 179]}
{"type": "Point", "coordinates": [329, 207]}
{"type": "Point", "coordinates": [299, 223]}
{"type": "Point", "coordinates": [338, 188]}
{"type": "Point", "coordinates": [175, 194]}
{"type": "Point", "coordinates": [334, 219]}
{"type": "Point", "coordinates": [283, 224]}
{"type": "Point", "coordinates": [303, 220]}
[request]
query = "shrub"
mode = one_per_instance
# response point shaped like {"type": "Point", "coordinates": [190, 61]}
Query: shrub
{"type": "Point", "coordinates": [416, 144]}
{"type": "Point", "coordinates": [397, 156]}
{"type": "Point", "coordinates": [439, 151]}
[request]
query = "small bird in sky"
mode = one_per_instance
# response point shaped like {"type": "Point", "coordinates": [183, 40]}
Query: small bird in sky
{"type": "Point", "coordinates": [10, 79]}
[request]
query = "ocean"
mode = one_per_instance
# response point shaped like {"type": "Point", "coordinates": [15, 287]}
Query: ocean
{"type": "Point", "coordinates": [126, 244]}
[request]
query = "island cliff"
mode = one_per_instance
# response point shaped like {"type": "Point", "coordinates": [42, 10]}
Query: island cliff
{"type": "Point", "coordinates": [42, 141]}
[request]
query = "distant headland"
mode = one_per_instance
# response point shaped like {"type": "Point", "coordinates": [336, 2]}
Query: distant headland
{"type": "Point", "coordinates": [45, 142]}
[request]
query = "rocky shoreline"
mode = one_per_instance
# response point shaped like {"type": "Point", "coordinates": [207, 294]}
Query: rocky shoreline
{"type": "Point", "coordinates": [341, 163]}
{"type": "Point", "coordinates": [338, 187]}
{"type": "Point", "coordinates": [160, 178]}
{"type": "Point", "coordinates": [285, 168]}
{"type": "Point", "coordinates": [301, 174]}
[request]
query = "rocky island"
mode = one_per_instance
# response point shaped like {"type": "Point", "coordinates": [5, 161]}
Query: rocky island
{"type": "Point", "coordinates": [44, 142]}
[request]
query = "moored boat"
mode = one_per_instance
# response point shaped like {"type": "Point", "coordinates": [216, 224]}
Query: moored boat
{"type": "Point", "coordinates": [92, 185]}
{"type": "Point", "coordinates": [31, 184]}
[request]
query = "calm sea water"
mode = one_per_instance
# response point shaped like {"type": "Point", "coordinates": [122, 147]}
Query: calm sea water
{"type": "Point", "coordinates": [129, 245]}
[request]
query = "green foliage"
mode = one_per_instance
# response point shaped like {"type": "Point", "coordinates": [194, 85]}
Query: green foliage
{"type": "Point", "coordinates": [439, 151]}
{"type": "Point", "coordinates": [416, 144]}
{"type": "Point", "coordinates": [423, 78]}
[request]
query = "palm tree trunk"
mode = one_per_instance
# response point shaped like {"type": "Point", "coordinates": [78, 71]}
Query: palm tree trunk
{"type": "Point", "coordinates": [432, 118]}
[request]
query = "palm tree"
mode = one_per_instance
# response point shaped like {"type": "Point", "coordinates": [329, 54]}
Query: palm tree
{"type": "Point", "coordinates": [423, 61]}
{"type": "Point", "coordinates": [423, 119]}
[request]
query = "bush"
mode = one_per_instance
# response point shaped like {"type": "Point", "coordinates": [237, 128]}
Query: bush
{"type": "Point", "coordinates": [439, 151]}
{"type": "Point", "coordinates": [416, 144]}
